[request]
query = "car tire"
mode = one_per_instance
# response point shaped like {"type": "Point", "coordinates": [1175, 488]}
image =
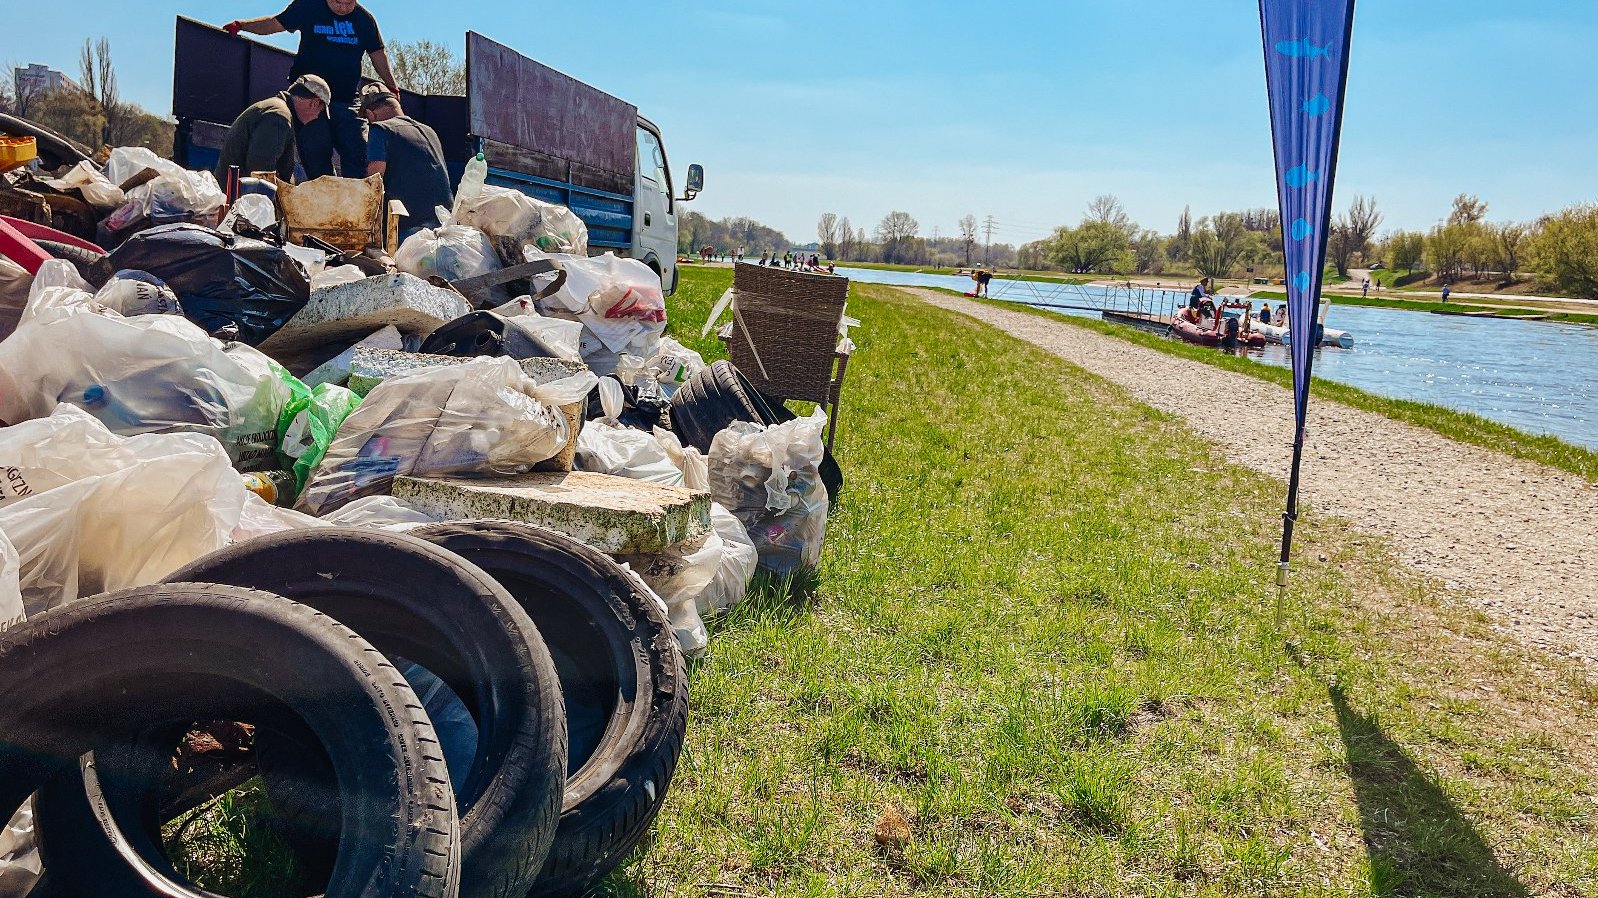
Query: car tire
{"type": "Point", "coordinates": [98, 672]}
{"type": "Point", "coordinates": [625, 685]}
{"type": "Point", "coordinates": [424, 604]}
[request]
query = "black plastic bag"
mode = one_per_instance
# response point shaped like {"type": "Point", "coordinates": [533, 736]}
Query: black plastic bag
{"type": "Point", "coordinates": [223, 281]}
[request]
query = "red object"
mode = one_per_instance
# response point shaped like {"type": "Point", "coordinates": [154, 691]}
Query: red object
{"type": "Point", "coordinates": [41, 232]}
{"type": "Point", "coordinates": [232, 28]}
{"type": "Point", "coordinates": [21, 249]}
{"type": "Point", "coordinates": [1207, 336]}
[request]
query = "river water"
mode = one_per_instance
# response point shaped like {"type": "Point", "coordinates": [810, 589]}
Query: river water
{"type": "Point", "coordinates": [1536, 376]}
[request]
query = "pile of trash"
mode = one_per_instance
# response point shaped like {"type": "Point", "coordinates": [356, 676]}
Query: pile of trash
{"type": "Point", "coordinates": [196, 391]}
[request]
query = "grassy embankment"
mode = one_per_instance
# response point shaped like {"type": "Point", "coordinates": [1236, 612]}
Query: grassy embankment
{"type": "Point", "coordinates": [1041, 661]}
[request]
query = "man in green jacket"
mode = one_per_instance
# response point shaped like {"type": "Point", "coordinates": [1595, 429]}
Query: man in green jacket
{"type": "Point", "coordinates": [262, 137]}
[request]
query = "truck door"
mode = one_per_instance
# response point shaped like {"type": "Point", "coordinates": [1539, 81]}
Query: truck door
{"type": "Point", "coordinates": [654, 210]}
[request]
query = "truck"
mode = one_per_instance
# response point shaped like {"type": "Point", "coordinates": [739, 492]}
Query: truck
{"type": "Point", "coordinates": [541, 131]}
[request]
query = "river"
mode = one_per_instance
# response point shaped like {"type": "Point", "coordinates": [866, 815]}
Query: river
{"type": "Point", "coordinates": [1536, 376]}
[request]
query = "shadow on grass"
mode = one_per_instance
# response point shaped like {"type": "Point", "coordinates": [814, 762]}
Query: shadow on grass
{"type": "Point", "coordinates": [1419, 841]}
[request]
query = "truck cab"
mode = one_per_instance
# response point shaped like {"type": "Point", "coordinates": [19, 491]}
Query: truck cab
{"type": "Point", "coordinates": [541, 131]}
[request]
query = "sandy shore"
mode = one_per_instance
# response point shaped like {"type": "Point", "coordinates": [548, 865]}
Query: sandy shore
{"type": "Point", "coordinates": [1517, 538]}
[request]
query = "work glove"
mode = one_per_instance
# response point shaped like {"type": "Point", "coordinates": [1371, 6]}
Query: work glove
{"type": "Point", "coordinates": [232, 28]}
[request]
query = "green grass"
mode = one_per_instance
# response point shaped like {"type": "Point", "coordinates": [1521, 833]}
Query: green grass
{"type": "Point", "coordinates": [1042, 634]}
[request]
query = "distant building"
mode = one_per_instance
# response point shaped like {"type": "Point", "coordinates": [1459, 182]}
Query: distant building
{"type": "Point", "coordinates": [39, 79]}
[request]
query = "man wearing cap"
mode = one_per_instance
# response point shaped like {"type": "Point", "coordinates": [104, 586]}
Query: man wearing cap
{"type": "Point", "coordinates": [262, 137]}
{"type": "Point", "coordinates": [408, 156]}
{"type": "Point", "coordinates": [334, 35]}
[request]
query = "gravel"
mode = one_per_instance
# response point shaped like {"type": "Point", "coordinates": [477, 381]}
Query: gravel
{"type": "Point", "coordinates": [1518, 539]}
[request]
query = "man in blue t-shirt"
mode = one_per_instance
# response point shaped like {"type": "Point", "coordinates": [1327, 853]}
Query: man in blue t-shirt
{"type": "Point", "coordinates": [334, 35]}
{"type": "Point", "coordinates": [408, 156]}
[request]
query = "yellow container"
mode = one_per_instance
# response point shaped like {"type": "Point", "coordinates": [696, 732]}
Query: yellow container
{"type": "Point", "coordinates": [17, 151]}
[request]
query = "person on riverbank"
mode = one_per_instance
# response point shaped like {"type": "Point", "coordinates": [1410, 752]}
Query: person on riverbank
{"type": "Point", "coordinates": [1265, 313]}
{"type": "Point", "coordinates": [1365, 288]}
{"type": "Point", "coordinates": [334, 37]}
{"type": "Point", "coordinates": [1445, 291]}
{"type": "Point", "coordinates": [984, 276]}
{"type": "Point", "coordinates": [1201, 291]}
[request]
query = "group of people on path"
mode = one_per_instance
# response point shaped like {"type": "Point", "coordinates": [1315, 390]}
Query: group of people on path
{"type": "Point", "coordinates": [796, 261]}
{"type": "Point", "coordinates": [327, 122]}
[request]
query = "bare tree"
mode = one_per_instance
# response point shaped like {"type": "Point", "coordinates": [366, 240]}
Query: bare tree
{"type": "Point", "coordinates": [827, 233]}
{"type": "Point", "coordinates": [1106, 209]}
{"type": "Point", "coordinates": [968, 236]}
{"type": "Point", "coordinates": [98, 78]}
{"type": "Point", "coordinates": [1468, 208]}
{"type": "Point", "coordinates": [894, 229]}
{"type": "Point", "coordinates": [427, 67]}
{"type": "Point", "coordinates": [1351, 234]}
{"type": "Point", "coordinates": [1509, 238]}
{"type": "Point", "coordinates": [1177, 249]}
{"type": "Point", "coordinates": [846, 239]}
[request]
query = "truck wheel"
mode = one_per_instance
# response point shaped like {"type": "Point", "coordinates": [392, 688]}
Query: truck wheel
{"type": "Point", "coordinates": [101, 671]}
{"type": "Point", "coordinates": [418, 602]}
{"type": "Point", "coordinates": [624, 679]}
{"type": "Point", "coordinates": [91, 266]}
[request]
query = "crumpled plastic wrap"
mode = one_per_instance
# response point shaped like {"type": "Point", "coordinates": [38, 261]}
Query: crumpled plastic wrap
{"type": "Point", "coordinates": [145, 374]}
{"type": "Point", "coordinates": [380, 512]}
{"type": "Point", "coordinates": [618, 301]}
{"type": "Point", "coordinates": [515, 220]}
{"type": "Point", "coordinates": [770, 477]}
{"type": "Point", "coordinates": [690, 461]}
{"type": "Point", "coordinates": [91, 184]}
{"type": "Point", "coordinates": [19, 855]}
{"type": "Point", "coordinates": [90, 511]}
{"type": "Point", "coordinates": [482, 417]}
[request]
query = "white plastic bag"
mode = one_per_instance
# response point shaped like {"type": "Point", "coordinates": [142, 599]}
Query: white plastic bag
{"type": "Point", "coordinates": [695, 472]}
{"type": "Point", "coordinates": [510, 215]}
{"type": "Point", "coordinates": [10, 600]}
{"type": "Point", "coordinates": [770, 477]}
{"type": "Point", "coordinates": [259, 518]}
{"type": "Point", "coordinates": [146, 374]}
{"type": "Point", "coordinates": [562, 337]}
{"type": "Point", "coordinates": [125, 162]}
{"type": "Point", "coordinates": [619, 302]}
{"type": "Point", "coordinates": [117, 512]}
{"type": "Point", "coordinates": [131, 293]}
{"type": "Point", "coordinates": [332, 277]}
{"type": "Point", "coordinates": [15, 284]}
{"type": "Point", "coordinates": [739, 558]}
{"type": "Point", "coordinates": [378, 512]}
{"type": "Point", "coordinates": [254, 208]}
{"type": "Point", "coordinates": [94, 187]}
{"type": "Point", "coordinates": [482, 417]}
{"type": "Point", "coordinates": [450, 251]}
{"type": "Point", "coordinates": [19, 855]}
{"type": "Point", "coordinates": [606, 448]}
{"type": "Point", "coordinates": [673, 363]}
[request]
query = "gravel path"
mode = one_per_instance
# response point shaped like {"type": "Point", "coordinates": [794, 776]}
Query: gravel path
{"type": "Point", "coordinates": [1518, 538]}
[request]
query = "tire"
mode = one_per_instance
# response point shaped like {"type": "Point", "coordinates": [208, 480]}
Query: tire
{"type": "Point", "coordinates": [720, 395]}
{"type": "Point", "coordinates": [91, 266]}
{"type": "Point", "coordinates": [101, 671]}
{"type": "Point", "coordinates": [55, 150]}
{"type": "Point", "coordinates": [418, 602]}
{"type": "Point", "coordinates": [625, 682]}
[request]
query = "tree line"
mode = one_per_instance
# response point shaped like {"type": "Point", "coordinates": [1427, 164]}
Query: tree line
{"type": "Point", "coordinates": [92, 111]}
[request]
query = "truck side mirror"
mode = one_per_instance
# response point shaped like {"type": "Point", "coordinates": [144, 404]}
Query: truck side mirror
{"type": "Point", "coordinates": [696, 182]}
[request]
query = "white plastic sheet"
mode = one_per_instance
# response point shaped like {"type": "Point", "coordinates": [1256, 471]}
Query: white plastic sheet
{"type": "Point", "coordinates": [15, 283]}
{"type": "Point", "coordinates": [93, 186]}
{"type": "Point", "coordinates": [19, 856]}
{"type": "Point", "coordinates": [10, 589]}
{"type": "Point", "coordinates": [606, 448]}
{"type": "Point", "coordinates": [482, 417]}
{"type": "Point", "coordinates": [739, 558]}
{"type": "Point", "coordinates": [116, 511]}
{"type": "Point", "coordinates": [770, 478]}
{"type": "Point", "coordinates": [379, 512]}
{"type": "Point", "coordinates": [561, 336]}
{"type": "Point", "coordinates": [145, 374]}
{"type": "Point", "coordinates": [690, 461]}
{"type": "Point", "coordinates": [618, 301]}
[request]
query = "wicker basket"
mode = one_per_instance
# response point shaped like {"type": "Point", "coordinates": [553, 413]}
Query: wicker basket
{"type": "Point", "coordinates": [785, 335]}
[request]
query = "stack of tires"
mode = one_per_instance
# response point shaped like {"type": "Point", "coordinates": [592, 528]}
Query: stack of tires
{"type": "Point", "coordinates": [478, 709]}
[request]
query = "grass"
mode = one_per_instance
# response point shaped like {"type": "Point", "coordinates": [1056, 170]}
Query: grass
{"type": "Point", "coordinates": [1039, 659]}
{"type": "Point", "coordinates": [1044, 654]}
{"type": "Point", "coordinates": [1456, 425]}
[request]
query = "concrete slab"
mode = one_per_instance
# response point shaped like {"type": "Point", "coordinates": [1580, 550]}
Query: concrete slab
{"type": "Point", "coordinates": [337, 369]}
{"type": "Point", "coordinates": [613, 514]}
{"type": "Point", "coordinates": [345, 313]}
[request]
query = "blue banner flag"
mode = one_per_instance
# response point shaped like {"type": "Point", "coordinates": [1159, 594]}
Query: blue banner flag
{"type": "Point", "coordinates": [1306, 72]}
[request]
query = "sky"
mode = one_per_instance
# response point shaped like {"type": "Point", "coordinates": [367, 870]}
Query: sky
{"type": "Point", "coordinates": [1023, 111]}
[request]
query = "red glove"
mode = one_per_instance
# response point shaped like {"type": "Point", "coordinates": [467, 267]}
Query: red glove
{"type": "Point", "coordinates": [232, 28]}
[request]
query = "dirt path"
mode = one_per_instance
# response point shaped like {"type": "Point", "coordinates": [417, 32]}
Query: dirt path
{"type": "Point", "coordinates": [1519, 538]}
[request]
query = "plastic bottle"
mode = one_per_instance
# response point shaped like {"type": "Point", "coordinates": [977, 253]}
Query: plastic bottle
{"type": "Point", "coordinates": [471, 184]}
{"type": "Point", "coordinates": [116, 416]}
{"type": "Point", "coordinates": [276, 487]}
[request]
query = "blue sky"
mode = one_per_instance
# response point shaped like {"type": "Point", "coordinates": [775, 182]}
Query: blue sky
{"type": "Point", "coordinates": [1023, 110]}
